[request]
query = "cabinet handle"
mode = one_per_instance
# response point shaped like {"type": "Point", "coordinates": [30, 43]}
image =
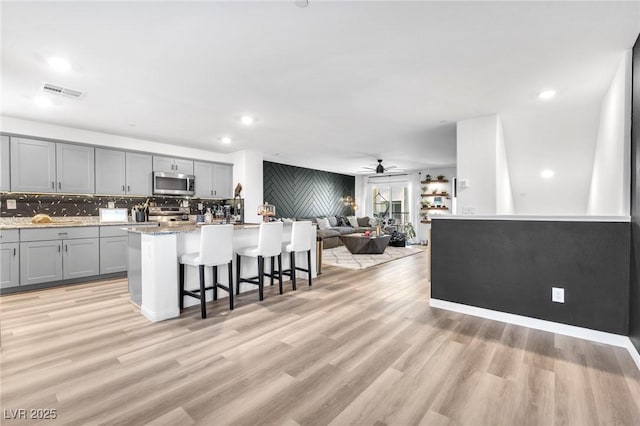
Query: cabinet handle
{"type": "Point", "coordinates": [59, 248]}
{"type": "Point", "coordinates": [66, 248]}
{"type": "Point", "coordinates": [59, 185]}
{"type": "Point", "coordinates": [14, 251]}
{"type": "Point", "coordinates": [212, 192]}
{"type": "Point", "coordinates": [53, 185]}
{"type": "Point", "coordinates": [122, 188]}
{"type": "Point", "coordinates": [128, 188]}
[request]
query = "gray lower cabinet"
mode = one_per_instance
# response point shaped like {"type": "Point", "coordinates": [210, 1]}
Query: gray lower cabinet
{"type": "Point", "coordinates": [9, 265]}
{"type": "Point", "coordinates": [4, 164]}
{"type": "Point", "coordinates": [40, 261]}
{"type": "Point", "coordinates": [113, 254]}
{"type": "Point", "coordinates": [81, 258]}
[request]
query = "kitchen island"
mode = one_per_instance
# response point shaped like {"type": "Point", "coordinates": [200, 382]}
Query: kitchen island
{"type": "Point", "coordinates": [153, 265]}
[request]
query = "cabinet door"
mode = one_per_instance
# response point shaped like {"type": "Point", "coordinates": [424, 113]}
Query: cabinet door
{"type": "Point", "coordinates": [40, 261]}
{"type": "Point", "coordinates": [183, 166]}
{"type": "Point", "coordinates": [113, 254]}
{"type": "Point", "coordinates": [81, 258]}
{"type": "Point", "coordinates": [163, 164]}
{"type": "Point", "coordinates": [9, 265]}
{"type": "Point", "coordinates": [110, 172]}
{"type": "Point", "coordinates": [33, 165]}
{"type": "Point", "coordinates": [222, 181]}
{"type": "Point", "coordinates": [75, 168]}
{"type": "Point", "coordinates": [4, 163]}
{"type": "Point", "coordinates": [204, 179]}
{"type": "Point", "coordinates": [138, 174]}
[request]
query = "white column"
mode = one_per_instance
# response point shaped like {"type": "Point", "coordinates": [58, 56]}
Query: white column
{"type": "Point", "coordinates": [159, 272]}
{"type": "Point", "coordinates": [247, 171]}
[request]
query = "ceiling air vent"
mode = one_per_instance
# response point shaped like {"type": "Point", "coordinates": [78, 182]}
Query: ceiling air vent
{"type": "Point", "coordinates": [64, 91]}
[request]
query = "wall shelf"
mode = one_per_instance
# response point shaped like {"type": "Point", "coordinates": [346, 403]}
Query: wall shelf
{"type": "Point", "coordinates": [437, 194]}
{"type": "Point", "coordinates": [435, 208]}
{"type": "Point", "coordinates": [427, 182]}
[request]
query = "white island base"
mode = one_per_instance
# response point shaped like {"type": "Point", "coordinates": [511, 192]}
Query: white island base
{"type": "Point", "coordinates": [153, 266]}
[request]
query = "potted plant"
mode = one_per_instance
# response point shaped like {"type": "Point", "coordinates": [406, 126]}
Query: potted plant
{"type": "Point", "coordinates": [440, 177]}
{"type": "Point", "coordinates": [411, 233]}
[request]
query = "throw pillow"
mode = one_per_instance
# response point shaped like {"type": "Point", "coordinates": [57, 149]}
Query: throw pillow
{"type": "Point", "coordinates": [363, 221]}
{"type": "Point", "coordinates": [353, 221]}
{"type": "Point", "coordinates": [323, 223]}
{"type": "Point", "coordinates": [333, 221]}
{"type": "Point", "coordinates": [342, 221]}
{"type": "Point", "coordinates": [373, 222]}
{"type": "Point", "coordinates": [287, 220]}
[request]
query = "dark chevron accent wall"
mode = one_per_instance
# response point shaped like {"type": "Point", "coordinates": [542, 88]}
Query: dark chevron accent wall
{"type": "Point", "coordinates": [300, 193]}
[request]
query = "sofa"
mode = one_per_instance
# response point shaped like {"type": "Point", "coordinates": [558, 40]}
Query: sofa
{"type": "Point", "coordinates": [330, 234]}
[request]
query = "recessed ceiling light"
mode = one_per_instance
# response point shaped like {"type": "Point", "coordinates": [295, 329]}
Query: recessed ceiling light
{"type": "Point", "coordinates": [42, 102]}
{"type": "Point", "coordinates": [59, 64]}
{"type": "Point", "coordinates": [302, 3]}
{"type": "Point", "coordinates": [225, 140]}
{"type": "Point", "coordinates": [547, 174]}
{"type": "Point", "coordinates": [547, 94]}
{"type": "Point", "coordinates": [247, 120]}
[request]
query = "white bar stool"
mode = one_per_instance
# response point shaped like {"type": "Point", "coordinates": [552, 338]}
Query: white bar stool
{"type": "Point", "coordinates": [215, 249]}
{"type": "Point", "coordinates": [300, 242]}
{"type": "Point", "coordinates": [269, 246]}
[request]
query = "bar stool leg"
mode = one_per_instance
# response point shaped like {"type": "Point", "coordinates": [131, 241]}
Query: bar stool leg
{"type": "Point", "coordinates": [181, 290]}
{"type": "Point", "coordinates": [279, 271]}
{"type": "Point", "coordinates": [309, 265]}
{"type": "Point", "coordinates": [260, 277]}
{"type": "Point", "coordinates": [230, 269]}
{"type": "Point", "coordinates": [214, 278]}
{"type": "Point", "coordinates": [238, 274]}
{"type": "Point", "coordinates": [292, 267]}
{"type": "Point", "coordinates": [272, 268]}
{"type": "Point", "coordinates": [203, 307]}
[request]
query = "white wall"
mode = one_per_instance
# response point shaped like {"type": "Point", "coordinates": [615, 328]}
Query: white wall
{"type": "Point", "coordinates": [504, 197]}
{"type": "Point", "coordinates": [71, 134]}
{"type": "Point", "coordinates": [360, 195]}
{"type": "Point", "coordinates": [610, 180]}
{"type": "Point", "coordinates": [476, 163]}
{"type": "Point", "coordinates": [247, 170]}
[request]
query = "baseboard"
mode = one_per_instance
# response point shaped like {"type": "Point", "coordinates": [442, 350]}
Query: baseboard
{"type": "Point", "coordinates": [158, 316]}
{"type": "Point", "coordinates": [553, 327]}
{"type": "Point", "coordinates": [635, 355]}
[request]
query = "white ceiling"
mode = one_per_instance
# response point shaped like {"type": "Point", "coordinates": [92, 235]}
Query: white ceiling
{"type": "Point", "coordinates": [334, 85]}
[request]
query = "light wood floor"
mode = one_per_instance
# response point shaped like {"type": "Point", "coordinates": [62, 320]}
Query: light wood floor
{"type": "Point", "coordinates": [361, 347]}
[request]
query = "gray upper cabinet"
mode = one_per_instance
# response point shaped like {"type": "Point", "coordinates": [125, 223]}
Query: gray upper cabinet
{"type": "Point", "coordinates": [119, 172]}
{"type": "Point", "coordinates": [9, 265]}
{"type": "Point", "coordinates": [41, 166]}
{"type": "Point", "coordinates": [110, 171]}
{"type": "Point", "coordinates": [213, 180]}
{"type": "Point", "coordinates": [75, 169]}
{"type": "Point", "coordinates": [33, 165]}
{"type": "Point", "coordinates": [204, 179]}
{"type": "Point", "coordinates": [222, 181]}
{"type": "Point", "coordinates": [172, 165]}
{"type": "Point", "coordinates": [138, 173]}
{"type": "Point", "coordinates": [4, 164]}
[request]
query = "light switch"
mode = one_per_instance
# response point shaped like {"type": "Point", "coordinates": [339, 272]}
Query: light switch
{"type": "Point", "coordinates": [11, 204]}
{"type": "Point", "coordinates": [557, 294]}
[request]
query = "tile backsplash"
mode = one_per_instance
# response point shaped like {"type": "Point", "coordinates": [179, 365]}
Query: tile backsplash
{"type": "Point", "coordinates": [28, 205]}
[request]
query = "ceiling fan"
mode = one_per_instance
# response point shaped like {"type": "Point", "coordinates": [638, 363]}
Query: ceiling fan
{"type": "Point", "coordinates": [382, 169]}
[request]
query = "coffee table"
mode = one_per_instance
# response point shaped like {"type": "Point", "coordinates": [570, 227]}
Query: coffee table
{"type": "Point", "coordinates": [362, 244]}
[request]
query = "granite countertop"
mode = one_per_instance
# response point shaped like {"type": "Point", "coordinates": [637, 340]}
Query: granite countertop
{"type": "Point", "coordinates": [60, 221]}
{"type": "Point", "coordinates": [182, 229]}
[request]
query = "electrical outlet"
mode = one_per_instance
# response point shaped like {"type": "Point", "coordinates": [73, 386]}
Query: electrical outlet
{"type": "Point", "coordinates": [185, 203]}
{"type": "Point", "coordinates": [111, 204]}
{"type": "Point", "coordinates": [11, 204]}
{"type": "Point", "coordinates": [468, 210]}
{"type": "Point", "coordinates": [557, 294]}
{"type": "Point", "coordinates": [200, 206]}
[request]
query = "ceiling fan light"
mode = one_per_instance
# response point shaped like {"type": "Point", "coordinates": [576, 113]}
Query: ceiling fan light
{"type": "Point", "coordinates": [379, 168]}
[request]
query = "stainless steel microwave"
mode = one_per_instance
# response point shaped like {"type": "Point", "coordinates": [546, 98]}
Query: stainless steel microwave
{"type": "Point", "coordinates": [173, 184]}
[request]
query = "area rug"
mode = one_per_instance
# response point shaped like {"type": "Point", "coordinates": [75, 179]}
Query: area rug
{"type": "Point", "coordinates": [340, 256]}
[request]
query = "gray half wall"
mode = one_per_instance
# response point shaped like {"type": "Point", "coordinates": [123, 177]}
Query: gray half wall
{"type": "Point", "coordinates": [511, 265]}
{"type": "Point", "coordinates": [634, 282]}
{"type": "Point", "coordinates": [299, 192]}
